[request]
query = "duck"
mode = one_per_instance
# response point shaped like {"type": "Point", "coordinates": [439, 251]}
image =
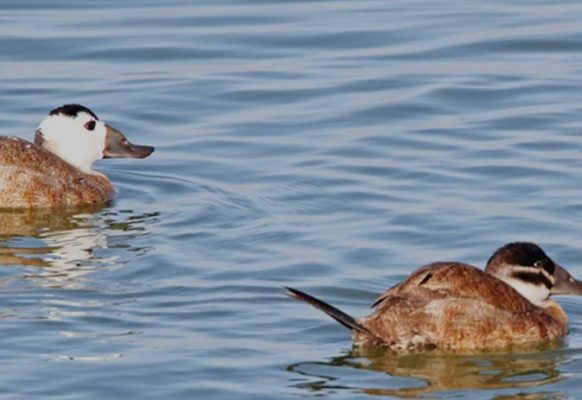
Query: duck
{"type": "Point", "coordinates": [459, 308]}
{"type": "Point", "coordinates": [56, 170]}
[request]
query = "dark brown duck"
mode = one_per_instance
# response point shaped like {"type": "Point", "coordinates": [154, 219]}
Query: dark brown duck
{"type": "Point", "coordinates": [451, 306]}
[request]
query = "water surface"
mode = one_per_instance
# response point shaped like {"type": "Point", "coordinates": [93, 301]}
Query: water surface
{"type": "Point", "coordinates": [330, 145]}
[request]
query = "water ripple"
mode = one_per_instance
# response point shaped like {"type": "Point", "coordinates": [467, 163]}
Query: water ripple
{"type": "Point", "coordinates": [330, 145]}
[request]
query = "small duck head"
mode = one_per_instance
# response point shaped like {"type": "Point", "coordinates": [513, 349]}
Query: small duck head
{"type": "Point", "coordinates": [75, 134]}
{"type": "Point", "coordinates": [530, 271]}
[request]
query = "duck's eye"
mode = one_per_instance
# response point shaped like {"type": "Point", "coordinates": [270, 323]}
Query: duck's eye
{"type": "Point", "coordinates": [538, 264]}
{"type": "Point", "coordinates": [90, 125]}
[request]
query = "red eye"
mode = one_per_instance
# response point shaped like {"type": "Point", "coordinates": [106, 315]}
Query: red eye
{"type": "Point", "coordinates": [90, 125]}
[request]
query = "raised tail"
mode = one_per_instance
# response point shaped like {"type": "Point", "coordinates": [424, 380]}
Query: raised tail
{"type": "Point", "coordinates": [340, 316]}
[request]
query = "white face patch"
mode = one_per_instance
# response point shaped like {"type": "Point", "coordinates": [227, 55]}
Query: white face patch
{"type": "Point", "coordinates": [70, 139]}
{"type": "Point", "coordinates": [535, 293]}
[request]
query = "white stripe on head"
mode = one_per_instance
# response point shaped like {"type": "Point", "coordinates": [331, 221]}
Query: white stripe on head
{"type": "Point", "coordinates": [518, 269]}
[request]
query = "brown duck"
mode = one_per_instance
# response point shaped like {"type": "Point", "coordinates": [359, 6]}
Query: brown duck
{"type": "Point", "coordinates": [56, 170]}
{"type": "Point", "coordinates": [451, 306]}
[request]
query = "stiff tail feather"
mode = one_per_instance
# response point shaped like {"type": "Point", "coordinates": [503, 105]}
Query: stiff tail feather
{"type": "Point", "coordinates": [340, 316]}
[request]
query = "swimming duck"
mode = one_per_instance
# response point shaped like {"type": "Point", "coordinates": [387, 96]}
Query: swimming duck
{"type": "Point", "coordinates": [56, 170]}
{"type": "Point", "coordinates": [452, 306]}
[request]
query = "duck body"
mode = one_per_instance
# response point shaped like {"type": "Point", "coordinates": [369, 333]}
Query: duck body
{"type": "Point", "coordinates": [456, 307]}
{"type": "Point", "coordinates": [31, 176]}
{"type": "Point", "coordinates": [56, 170]}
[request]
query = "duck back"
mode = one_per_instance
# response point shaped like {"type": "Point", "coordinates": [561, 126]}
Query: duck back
{"type": "Point", "coordinates": [454, 306]}
{"type": "Point", "coordinates": [31, 176]}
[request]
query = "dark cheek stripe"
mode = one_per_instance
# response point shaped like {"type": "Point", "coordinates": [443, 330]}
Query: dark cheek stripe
{"type": "Point", "coordinates": [549, 267]}
{"type": "Point", "coordinates": [536, 279]}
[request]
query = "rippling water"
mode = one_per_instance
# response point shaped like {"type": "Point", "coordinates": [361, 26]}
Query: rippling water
{"type": "Point", "coordinates": [330, 145]}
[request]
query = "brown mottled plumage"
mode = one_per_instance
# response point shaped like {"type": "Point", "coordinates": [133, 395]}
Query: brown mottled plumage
{"type": "Point", "coordinates": [451, 306]}
{"type": "Point", "coordinates": [457, 306]}
{"type": "Point", "coordinates": [31, 176]}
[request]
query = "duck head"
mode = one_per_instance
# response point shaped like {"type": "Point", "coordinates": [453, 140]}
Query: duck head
{"type": "Point", "coordinates": [530, 271]}
{"type": "Point", "coordinates": [75, 134]}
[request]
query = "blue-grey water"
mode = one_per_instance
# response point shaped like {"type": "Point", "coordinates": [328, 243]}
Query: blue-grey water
{"type": "Point", "coordinates": [334, 146]}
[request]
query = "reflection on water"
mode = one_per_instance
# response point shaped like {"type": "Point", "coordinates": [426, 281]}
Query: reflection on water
{"type": "Point", "coordinates": [431, 373]}
{"type": "Point", "coordinates": [65, 244]}
{"type": "Point", "coordinates": [332, 145]}
{"type": "Point", "coordinates": [26, 222]}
